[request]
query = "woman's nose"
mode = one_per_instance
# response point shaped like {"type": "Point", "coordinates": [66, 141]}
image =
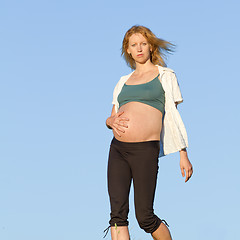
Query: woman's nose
{"type": "Point", "coordinates": [139, 48]}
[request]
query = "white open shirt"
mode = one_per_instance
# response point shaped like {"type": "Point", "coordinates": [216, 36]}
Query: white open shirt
{"type": "Point", "coordinates": [173, 136]}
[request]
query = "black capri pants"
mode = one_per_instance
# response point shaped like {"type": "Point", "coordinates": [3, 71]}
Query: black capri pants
{"type": "Point", "coordinates": [137, 161]}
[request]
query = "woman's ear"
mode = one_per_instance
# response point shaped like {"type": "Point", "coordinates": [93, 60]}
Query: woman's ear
{"type": "Point", "coordinates": [150, 47]}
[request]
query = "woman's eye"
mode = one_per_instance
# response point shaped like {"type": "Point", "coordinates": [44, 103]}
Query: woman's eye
{"type": "Point", "coordinates": [133, 45]}
{"type": "Point", "coordinates": [144, 43]}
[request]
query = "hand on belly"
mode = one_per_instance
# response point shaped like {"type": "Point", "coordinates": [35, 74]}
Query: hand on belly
{"type": "Point", "coordinates": [145, 123]}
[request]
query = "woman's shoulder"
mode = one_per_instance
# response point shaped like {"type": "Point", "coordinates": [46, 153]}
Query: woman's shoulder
{"type": "Point", "coordinates": [126, 76]}
{"type": "Point", "coordinates": [166, 69]}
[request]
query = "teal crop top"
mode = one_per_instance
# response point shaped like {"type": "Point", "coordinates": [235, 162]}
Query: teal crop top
{"type": "Point", "coordinates": [151, 93]}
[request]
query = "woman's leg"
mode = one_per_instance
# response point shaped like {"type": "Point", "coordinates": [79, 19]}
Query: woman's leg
{"type": "Point", "coordinates": [119, 181]}
{"type": "Point", "coordinates": [120, 233]}
{"type": "Point", "coordinates": [162, 233]}
{"type": "Point", "coordinates": [144, 165]}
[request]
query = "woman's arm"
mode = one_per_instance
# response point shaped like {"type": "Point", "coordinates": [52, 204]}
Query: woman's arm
{"type": "Point", "coordinates": [185, 164]}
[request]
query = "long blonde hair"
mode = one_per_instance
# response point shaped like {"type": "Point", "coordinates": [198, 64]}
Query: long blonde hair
{"type": "Point", "coordinates": [159, 46]}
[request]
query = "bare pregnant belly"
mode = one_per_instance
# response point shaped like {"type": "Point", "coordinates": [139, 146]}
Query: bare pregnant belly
{"type": "Point", "coordinates": [145, 123]}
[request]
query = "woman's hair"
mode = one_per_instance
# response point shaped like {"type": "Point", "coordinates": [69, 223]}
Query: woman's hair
{"type": "Point", "coordinates": [159, 46]}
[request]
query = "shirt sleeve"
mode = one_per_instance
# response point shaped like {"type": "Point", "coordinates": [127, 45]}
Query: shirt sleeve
{"type": "Point", "coordinates": [114, 96]}
{"type": "Point", "coordinates": [177, 96]}
{"type": "Point", "coordinates": [114, 99]}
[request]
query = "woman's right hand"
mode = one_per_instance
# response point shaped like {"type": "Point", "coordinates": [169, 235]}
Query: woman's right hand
{"type": "Point", "coordinates": [118, 123]}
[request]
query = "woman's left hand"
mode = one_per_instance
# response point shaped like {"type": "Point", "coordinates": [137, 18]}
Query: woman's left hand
{"type": "Point", "coordinates": [185, 164]}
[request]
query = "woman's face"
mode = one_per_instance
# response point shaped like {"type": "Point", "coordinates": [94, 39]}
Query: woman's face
{"type": "Point", "coordinates": [139, 48]}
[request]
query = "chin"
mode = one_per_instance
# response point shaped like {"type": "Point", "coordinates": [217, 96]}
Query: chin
{"type": "Point", "coordinates": [141, 60]}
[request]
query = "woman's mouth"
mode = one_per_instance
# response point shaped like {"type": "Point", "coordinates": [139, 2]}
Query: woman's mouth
{"type": "Point", "coordinates": [139, 55]}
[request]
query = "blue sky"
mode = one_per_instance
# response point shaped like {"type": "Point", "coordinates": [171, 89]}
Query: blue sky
{"type": "Point", "coordinates": [60, 61]}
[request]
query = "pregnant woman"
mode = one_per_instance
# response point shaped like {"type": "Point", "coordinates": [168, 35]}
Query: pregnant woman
{"type": "Point", "coordinates": [146, 125]}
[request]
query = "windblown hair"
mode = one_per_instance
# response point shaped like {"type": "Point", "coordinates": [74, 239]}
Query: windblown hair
{"type": "Point", "coordinates": [159, 46]}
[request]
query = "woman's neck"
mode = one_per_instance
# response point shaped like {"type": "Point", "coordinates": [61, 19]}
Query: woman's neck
{"type": "Point", "coordinates": [144, 68]}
